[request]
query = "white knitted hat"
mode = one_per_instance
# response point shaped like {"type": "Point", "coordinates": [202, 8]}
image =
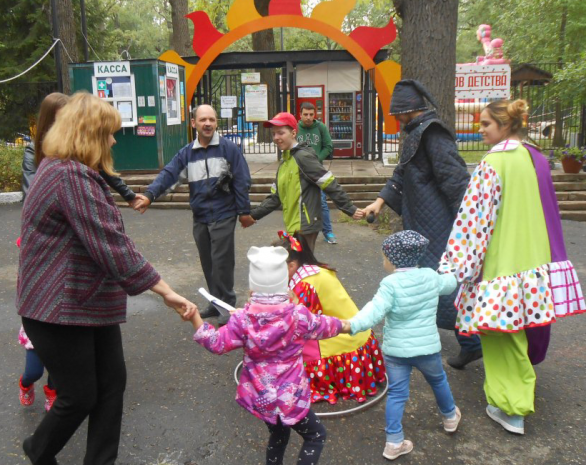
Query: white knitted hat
{"type": "Point", "coordinates": [268, 271]}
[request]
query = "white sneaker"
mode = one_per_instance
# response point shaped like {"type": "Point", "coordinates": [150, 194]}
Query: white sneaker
{"type": "Point", "coordinates": [393, 451]}
{"type": "Point", "coordinates": [512, 423]}
{"type": "Point", "coordinates": [451, 424]}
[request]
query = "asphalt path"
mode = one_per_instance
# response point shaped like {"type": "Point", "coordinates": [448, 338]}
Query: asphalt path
{"type": "Point", "coordinates": [179, 402]}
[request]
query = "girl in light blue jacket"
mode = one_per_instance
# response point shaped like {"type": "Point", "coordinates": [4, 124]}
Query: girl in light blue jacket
{"type": "Point", "coordinates": [407, 299]}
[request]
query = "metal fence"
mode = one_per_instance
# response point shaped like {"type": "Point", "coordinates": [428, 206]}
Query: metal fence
{"type": "Point", "coordinates": [547, 112]}
{"type": "Point", "coordinates": [251, 137]}
{"type": "Point", "coordinates": [19, 106]}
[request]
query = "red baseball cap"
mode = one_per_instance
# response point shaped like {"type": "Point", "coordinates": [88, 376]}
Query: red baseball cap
{"type": "Point", "coordinates": [281, 119]}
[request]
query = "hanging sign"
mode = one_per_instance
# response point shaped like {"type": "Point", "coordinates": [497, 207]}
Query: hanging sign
{"type": "Point", "coordinates": [145, 131]}
{"type": "Point", "coordinates": [228, 101]}
{"type": "Point", "coordinates": [112, 68]}
{"type": "Point", "coordinates": [147, 120]}
{"type": "Point", "coordinates": [250, 78]}
{"type": "Point", "coordinates": [483, 81]}
{"type": "Point", "coordinates": [172, 69]}
{"type": "Point", "coordinates": [309, 92]}
{"type": "Point", "coordinates": [256, 103]}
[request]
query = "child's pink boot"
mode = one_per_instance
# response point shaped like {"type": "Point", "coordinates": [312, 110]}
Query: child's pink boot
{"type": "Point", "coordinates": [26, 394]}
{"type": "Point", "coordinates": [50, 396]}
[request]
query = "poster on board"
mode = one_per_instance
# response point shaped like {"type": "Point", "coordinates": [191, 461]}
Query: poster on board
{"type": "Point", "coordinates": [256, 103]}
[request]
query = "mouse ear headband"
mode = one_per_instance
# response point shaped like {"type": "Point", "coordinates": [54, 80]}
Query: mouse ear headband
{"type": "Point", "coordinates": [295, 244]}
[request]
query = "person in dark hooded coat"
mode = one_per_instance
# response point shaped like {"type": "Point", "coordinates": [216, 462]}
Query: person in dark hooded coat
{"type": "Point", "coordinates": [426, 189]}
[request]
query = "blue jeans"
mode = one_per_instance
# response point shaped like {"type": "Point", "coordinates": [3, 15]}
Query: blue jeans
{"type": "Point", "coordinates": [33, 369]}
{"type": "Point", "coordinates": [325, 215]}
{"type": "Point", "coordinates": [399, 373]}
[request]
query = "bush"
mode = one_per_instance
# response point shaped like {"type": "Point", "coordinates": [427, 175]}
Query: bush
{"type": "Point", "coordinates": [10, 168]}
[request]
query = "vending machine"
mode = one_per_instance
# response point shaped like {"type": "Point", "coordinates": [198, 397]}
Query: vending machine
{"type": "Point", "coordinates": [345, 123]}
{"type": "Point", "coordinates": [311, 94]}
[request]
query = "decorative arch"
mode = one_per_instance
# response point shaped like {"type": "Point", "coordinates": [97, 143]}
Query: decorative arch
{"type": "Point", "coordinates": [242, 19]}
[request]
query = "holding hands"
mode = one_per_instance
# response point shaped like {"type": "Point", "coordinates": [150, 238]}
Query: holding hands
{"type": "Point", "coordinates": [345, 327]}
{"type": "Point", "coordinates": [246, 221]}
{"type": "Point", "coordinates": [140, 203]}
{"type": "Point", "coordinates": [375, 207]}
{"type": "Point", "coordinates": [358, 214]}
{"type": "Point", "coordinates": [180, 304]}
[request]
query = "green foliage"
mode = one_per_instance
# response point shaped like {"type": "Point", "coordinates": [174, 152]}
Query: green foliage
{"type": "Point", "coordinates": [531, 29]}
{"type": "Point", "coordinates": [574, 153]}
{"type": "Point", "coordinates": [10, 168]}
{"type": "Point", "coordinates": [119, 30]}
{"type": "Point", "coordinates": [571, 80]}
{"type": "Point", "coordinates": [26, 37]}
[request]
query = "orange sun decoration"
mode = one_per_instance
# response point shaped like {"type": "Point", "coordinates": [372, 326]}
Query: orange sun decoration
{"type": "Point", "coordinates": [326, 18]}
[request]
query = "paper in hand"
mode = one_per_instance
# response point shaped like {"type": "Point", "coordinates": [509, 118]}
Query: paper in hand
{"type": "Point", "coordinates": [220, 305]}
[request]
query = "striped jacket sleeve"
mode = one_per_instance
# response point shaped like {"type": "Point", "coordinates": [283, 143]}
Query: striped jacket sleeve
{"type": "Point", "coordinates": [97, 223]}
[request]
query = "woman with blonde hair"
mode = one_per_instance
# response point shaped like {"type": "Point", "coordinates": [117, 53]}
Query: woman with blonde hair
{"type": "Point", "coordinates": [507, 249]}
{"type": "Point", "coordinates": [33, 155]}
{"type": "Point", "coordinates": [76, 268]}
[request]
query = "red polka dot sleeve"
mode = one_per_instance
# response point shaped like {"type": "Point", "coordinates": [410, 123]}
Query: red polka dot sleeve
{"type": "Point", "coordinates": [474, 225]}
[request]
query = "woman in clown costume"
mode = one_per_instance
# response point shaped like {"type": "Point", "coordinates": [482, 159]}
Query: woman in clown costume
{"type": "Point", "coordinates": [343, 366]}
{"type": "Point", "coordinates": [507, 248]}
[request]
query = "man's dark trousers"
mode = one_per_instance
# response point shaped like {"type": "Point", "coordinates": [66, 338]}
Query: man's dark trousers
{"type": "Point", "coordinates": [215, 243]}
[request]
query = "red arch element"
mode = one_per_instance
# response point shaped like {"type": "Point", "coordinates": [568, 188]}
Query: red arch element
{"type": "Point", "coordinates": [372, 39]}
{"type": "Point", "coordinates": [269, 22]}
{"type": "Point", "coordinates": [383, 83]}
{"type": "Point", "coordinates": [285, 7]}
{"type": "Point", "coordinates": [205, 34]}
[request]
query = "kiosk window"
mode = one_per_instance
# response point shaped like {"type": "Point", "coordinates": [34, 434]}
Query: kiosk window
{"type": "Point", "coordinates": [173, 100]}
{"type": "Point", "coordinates": [119, 92]}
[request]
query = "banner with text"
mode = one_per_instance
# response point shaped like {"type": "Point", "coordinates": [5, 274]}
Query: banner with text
{"type": "Point", "coordinates": [483, 81]}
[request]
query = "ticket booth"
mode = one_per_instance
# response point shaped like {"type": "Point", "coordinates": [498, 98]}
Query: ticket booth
{"type": "Point", "coordinates": [335, 88]}
{"type": "Point", "coordinates": [150, 96]}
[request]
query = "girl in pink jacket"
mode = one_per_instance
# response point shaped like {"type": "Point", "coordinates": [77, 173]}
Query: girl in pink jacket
{"type": "Point", "coordinates": [272, 331]}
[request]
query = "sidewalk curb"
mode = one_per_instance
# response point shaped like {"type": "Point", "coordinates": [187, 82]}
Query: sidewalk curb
{"type": "Point", "coordinates": [10, 197]}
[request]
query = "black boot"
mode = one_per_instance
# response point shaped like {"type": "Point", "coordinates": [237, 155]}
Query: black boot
{"type": "Point", "coordinates": [209, 312]}
{"type": "Point", "coordinates": [464, 358]}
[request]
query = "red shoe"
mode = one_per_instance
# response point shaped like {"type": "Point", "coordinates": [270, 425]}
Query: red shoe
{"type": "Point", "coordinates": [50, 396]}
{"type": "Point", "coordinates": [26, 394]}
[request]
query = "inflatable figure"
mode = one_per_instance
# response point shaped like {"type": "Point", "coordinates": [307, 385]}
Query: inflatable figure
{"type": "Point", "coordinates": [493, 49]}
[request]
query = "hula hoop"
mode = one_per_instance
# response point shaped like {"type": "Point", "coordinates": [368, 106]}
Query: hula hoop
{"type": "Point", "coordinates": [360, 407]}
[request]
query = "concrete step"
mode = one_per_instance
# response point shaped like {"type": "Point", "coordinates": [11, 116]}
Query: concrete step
{"type": "Point", "coordinates": [573, 215]}
{"type": "Point", "coordinates": [363, 190]}
{"type": "Point", "coordinates": [571, 195]}
{"type": "Point", "coordinates": [572, 205]}
{"type": "Point", "coordinates": [570, 186]}
{"type": "Point", "coordinates": [568, 177]}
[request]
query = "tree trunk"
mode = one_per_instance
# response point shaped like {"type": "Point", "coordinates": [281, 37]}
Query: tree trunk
{"type": "Point", "coordinates": [265, 40]}
{"type": "Point", "coordinates": [428, 49]}
{"type": "Point", "coordinates": [180, 39]}
{"type": "Point", "coordinates": [558, 135]}
{"type": "Point", "coordinates": [67, 34]}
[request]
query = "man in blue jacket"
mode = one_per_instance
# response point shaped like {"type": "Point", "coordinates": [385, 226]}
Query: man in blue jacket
{"type": "Point", "coordinates": [219, 182]}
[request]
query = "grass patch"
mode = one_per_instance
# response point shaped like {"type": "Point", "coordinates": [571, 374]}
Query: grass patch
{"type": "Point", "coordinates": [387, 222]}
{"type": "Point", "coordinates": [10, 168]}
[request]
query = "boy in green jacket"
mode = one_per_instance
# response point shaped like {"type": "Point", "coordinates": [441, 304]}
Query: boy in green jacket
{"type": "Point", "coordinates": [299, 180]}
{"type": "Point", "coordinates": [316, 134]}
